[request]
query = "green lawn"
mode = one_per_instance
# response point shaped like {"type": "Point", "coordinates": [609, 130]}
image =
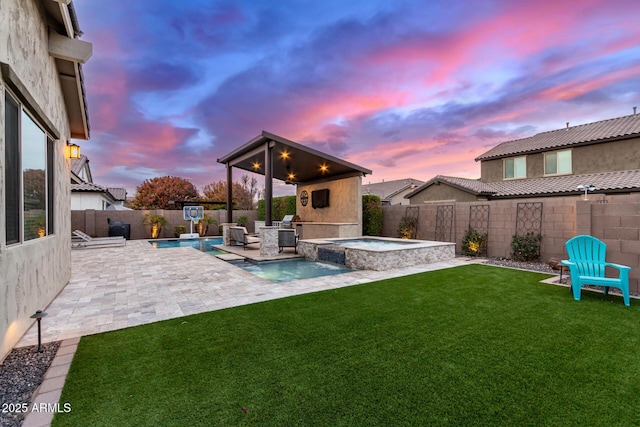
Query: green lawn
{"type": "Point", "coordinates": [473, 345]}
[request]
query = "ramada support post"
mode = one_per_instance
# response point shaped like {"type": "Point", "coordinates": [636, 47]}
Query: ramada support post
{"type": "Point", "coordinates": [229, 194]}
{"type": "Point", "coordinates": [268, 183]}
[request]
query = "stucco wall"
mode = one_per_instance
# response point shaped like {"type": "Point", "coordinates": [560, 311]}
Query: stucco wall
{"type": "Point", "coordinates": [345, 202]}
{"type": "Point", "coordinates": [602, 157]}
{"type": "Point", "coordinates": [82, 201]}
{"type": "Point", "coordinates": [439, 192]}
{"type": "Point", "coordinates": [32, 273]}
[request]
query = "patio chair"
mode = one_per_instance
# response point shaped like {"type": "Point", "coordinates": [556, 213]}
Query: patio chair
{"type": "Point", "coordinates": [239, 235]}
{"type": "Point", "coordinates": [86, 241]}
{"type": "Point", "coordinates": [587, 267]}
{"type": "Point", "coordinates": [287, 238]}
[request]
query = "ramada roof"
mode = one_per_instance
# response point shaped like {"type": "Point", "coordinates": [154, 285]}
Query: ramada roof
{"type": "Point", "coordinates": [590, 133]}
{"type": "Point", "coordinates": [547, 186]}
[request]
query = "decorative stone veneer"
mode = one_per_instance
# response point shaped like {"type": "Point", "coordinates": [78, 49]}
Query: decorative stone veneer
{"type": "Point", "coordinates": [405, 254]}
{"type": "Point", "coordinates": [269, 241]}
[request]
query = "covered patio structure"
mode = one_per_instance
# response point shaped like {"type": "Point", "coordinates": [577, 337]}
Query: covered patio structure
{"type": "Point", "coordinates": [328, 189]}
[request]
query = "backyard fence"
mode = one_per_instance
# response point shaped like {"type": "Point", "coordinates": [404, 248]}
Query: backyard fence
{"type": "Point", "coordinates": [613, 219]}
{"type": "Point", "coordinates": [94, 222]}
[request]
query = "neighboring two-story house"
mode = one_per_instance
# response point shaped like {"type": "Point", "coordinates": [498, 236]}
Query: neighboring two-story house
{"type": "Point", "coordinates": [42, 106]}
{"type": "Point", "coordinates": [603, 155]}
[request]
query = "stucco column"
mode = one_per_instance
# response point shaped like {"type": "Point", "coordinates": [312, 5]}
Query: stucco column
{"type": "Point", "coordinates": [269, 241]}
{"type": "Point", "coordinates": [226, 238]}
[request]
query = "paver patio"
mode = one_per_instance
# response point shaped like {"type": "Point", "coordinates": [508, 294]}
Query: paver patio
{"type": "Point", "coordinates": [120, 287]}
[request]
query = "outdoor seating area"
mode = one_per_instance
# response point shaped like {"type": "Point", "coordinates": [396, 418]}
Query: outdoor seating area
{"type": "Point", "coordinates": [240, 236]}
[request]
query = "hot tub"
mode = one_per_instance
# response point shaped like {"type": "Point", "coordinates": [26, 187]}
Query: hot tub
{"type": "Point", "coordinates": [376, 253]}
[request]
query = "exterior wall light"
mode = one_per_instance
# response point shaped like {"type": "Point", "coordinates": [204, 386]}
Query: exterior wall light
{"type": "Point", "coordinates": [586, 188]}
{"type": "Point", "coordinates": [73, 151]}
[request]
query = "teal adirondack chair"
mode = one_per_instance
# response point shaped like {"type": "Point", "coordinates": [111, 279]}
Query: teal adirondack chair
{"type": "Point", "coordinates": [587, 267]}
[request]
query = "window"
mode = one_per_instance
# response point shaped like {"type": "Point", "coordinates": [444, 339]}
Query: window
{"type": "Point", "coordinates": [29, 155]}
{"type": "Point", "coordinates": [515, 167]}
{"type": "Point", "coordinates": [557, 163]}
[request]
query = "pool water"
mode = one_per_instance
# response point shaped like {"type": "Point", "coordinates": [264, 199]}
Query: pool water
{"type": "Point", "coordinates": [364, 243]}
{"type": "Point", "coordinates": [204, 245]}
{"type": "Point", "coordinates": [292, 269]}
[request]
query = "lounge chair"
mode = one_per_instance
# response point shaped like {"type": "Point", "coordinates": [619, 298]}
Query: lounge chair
{"type": "Point", "coordinates": [240, 236]}
{"type": "Point", "coordinates": [86, 241]}
{"type": "Point", "coordinates": [587, 267]}
{"type": "Point", "coordinates": [287, 238]}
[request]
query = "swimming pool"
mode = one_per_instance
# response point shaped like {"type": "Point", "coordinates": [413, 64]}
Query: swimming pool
{"type": "Point", "coordinates": [203, 245]}
{"type": "Point", "coordinates": [291, 269]}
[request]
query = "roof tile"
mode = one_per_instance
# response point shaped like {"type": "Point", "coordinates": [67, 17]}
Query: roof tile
{"type": "Point", "coordinates": [620, 127]}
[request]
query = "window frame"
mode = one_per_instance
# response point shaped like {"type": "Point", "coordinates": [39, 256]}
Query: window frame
{"type": "Point", "coordinates": [14, 172]}
{"type": "Point", "coordinates": [556, 173]}
{"type": "Point", "coordinates": [514, 159]}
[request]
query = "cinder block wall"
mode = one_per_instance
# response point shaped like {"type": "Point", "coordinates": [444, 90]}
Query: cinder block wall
{"type": "Point", "coordinates": [614, 219]}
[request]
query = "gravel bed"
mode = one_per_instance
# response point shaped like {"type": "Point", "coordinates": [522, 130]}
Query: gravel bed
{"type": "Point", "coordinates": [533, 266]}
{"type": "Point", "coordinates": [20, 375]}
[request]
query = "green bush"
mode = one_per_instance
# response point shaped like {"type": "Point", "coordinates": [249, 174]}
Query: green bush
{"type": "Point", "coordinates": [474, 243]}
{"type": "Point", "coordinates": [280, 206]}
{"type": "Point", "coordinates": [526, 247]}
{"type": "Point", "coordinates": [407, 227]}
{"type": "Point", "coordinates": [371, 215]}
{"type": "Point", "coordinates": [242, 220]}
{"type": "Point", "coordinates": [178, 230]}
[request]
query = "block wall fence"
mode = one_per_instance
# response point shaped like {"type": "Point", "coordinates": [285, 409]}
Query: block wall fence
{"type": "Point", "coordinates": [613, 219]}
{"type": "Point", "coordinates": [94, 222]}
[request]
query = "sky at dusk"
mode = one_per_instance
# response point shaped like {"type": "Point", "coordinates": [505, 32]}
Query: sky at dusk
{"type": "Point", "coordinates": [405, 88]}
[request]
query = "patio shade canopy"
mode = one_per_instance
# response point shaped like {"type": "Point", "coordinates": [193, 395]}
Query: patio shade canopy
{"type": "Point", "coordinates": [276, 157]}
{"type": "Point", "coordinates": [292, 162]}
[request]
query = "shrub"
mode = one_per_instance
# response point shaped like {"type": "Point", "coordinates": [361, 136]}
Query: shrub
{"type": "Point", "coordinates": [242, 220]}
{"type": "Point", "coordinates": [371, 215]}
{"type": "Point", "coordinates": [407, 227]}
{"type": "Point", "coordinates": [526, 247]}
{"type": "Point", "coordinates": [155, 223]}
{"type": "Point", "coordinates": [474, 243]}
{"type": "Point", "coordinates": [280, 206]}
{"type": "Point", "coordinates": [178, 230]}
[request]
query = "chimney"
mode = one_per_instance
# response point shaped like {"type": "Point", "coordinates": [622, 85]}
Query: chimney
{"type": "Point", "coordinates": [634, 110]}
{"type": "Point", "coordinates": [567, 125]}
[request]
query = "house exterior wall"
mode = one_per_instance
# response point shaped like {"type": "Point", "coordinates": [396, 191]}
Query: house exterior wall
{"type": "Point", "coordinates": [342, 209]}
{"type": "Point", "coordinates": [441, 192]}
{"type": "Point", "coordinates": [81, 201]}
{"type": "Point", "coordinates": [34, 272]}
{"type": "Point", "coordinates": [399, 199]}
{"type": "Point", "coordinates": [595, 158]}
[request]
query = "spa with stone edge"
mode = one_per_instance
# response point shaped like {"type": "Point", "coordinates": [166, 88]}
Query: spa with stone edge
{"type": "Point", "coordinates": [376, 253]}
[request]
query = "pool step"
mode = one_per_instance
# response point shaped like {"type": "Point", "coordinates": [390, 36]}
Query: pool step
{"type": "Point", "coordinates": [230, 257]}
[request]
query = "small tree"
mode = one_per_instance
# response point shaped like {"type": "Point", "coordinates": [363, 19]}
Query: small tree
{"type": "Point", "coordinates": [217, 192]}
{"type": "Point", "coordinates": [156, 193]}
{"type": "Point", "coordinates": [155, 223]}
{"type": "Point", "coordinates": [371, 215]}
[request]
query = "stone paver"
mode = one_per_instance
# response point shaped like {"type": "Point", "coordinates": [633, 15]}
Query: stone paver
{"type": "Point", "coordinates": [119, 287]}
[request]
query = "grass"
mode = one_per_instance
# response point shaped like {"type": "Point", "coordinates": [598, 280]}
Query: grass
{"type": "Point", "coordinates": [473, 345]}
